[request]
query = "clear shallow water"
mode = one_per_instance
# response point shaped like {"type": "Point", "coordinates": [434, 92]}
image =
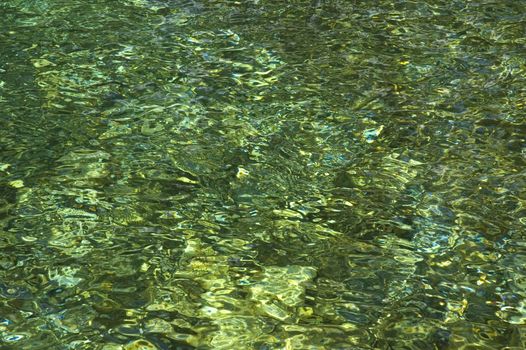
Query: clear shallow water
{"type": "Point", "coordinates": [262, 175]}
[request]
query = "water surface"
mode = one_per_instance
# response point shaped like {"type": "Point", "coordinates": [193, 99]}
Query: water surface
{"type": "Point", "coordinates": [262, 174]}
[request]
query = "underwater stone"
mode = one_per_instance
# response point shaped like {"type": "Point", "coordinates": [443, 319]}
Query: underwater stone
{"type": "Point", "coordinates": [140, 344]}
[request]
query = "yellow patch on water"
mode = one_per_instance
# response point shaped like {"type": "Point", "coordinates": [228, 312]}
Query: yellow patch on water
{"type": "Point", "coordinates": [16, 183]}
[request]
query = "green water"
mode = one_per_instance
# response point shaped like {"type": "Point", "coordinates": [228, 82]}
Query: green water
{"type": "Point", "coordinates": [262, 174]}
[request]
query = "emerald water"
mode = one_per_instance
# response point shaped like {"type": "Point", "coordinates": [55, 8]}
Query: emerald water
{"type": "Point", "coordinates": [262, 174]}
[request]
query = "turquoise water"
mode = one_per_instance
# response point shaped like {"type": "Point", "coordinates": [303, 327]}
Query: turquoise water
{"type": "Point", "coordinates": [262, 175]}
